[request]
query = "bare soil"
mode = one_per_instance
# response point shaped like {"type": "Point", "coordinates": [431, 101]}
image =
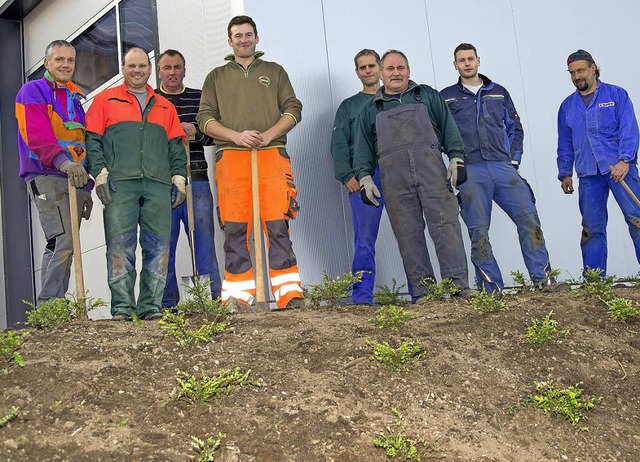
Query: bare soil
{"type": "Point", "coordinates": [104, 390]}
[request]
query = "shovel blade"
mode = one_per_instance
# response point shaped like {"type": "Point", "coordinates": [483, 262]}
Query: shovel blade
{"type": "Point", "coordinates": [190, 281]}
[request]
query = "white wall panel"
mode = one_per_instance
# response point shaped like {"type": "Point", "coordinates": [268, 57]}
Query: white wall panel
{"type": "Point", "coordinates": [55, 19]}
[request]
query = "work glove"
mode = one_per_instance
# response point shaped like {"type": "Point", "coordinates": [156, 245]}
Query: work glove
{"type": "Point", "coordinates": [515, 164]}
{"type": "Point", "coordinates": [456, 172]}
{"type": "Point", "coordinates": [178, 190]}
{"type": "Point", "coordinates": [369, 191]}
{"type": "Point", "coordinates": [76, 173]}
{"type": "Point", "coordinates": [87, 204]}
{"type": "Point", "coordinates": [104, 183]}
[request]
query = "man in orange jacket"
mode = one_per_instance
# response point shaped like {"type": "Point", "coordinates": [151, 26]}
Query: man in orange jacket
{"type": "Point", "coordinates": [135, 152]}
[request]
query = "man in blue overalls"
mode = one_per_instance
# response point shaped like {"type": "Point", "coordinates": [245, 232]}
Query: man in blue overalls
{"type": "Point", "coordinates": [405, 129]}
{"type": "Point", "coordinates": [492, 134]}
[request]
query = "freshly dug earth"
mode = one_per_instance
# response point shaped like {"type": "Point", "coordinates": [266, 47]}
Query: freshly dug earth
{"type": "Point", "coordinates": [104, 390]}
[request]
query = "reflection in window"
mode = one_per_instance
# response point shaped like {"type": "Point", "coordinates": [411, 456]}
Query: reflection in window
{"type": "Point", "coordinates": [97, 53]}
{"type": "Point", "coordinates": [136, 24]}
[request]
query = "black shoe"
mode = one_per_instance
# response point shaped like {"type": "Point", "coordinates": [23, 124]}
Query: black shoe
{"type": "Point", "coordinates": [151, 316]}
{"type": "Point", "coordinates": [121, 317]}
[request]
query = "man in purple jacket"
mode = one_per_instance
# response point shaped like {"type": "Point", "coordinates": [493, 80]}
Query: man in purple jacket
{"type": "Point", "coordinates": [51, 145]}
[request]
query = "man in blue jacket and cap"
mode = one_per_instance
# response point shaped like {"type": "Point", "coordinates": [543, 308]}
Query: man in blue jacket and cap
{"type": "Point", "coordinates": [598, 135]}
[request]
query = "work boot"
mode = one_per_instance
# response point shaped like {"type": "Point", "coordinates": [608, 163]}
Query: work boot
{"type": "Point", "coordinates": [298, 302]}
{"type": "Point", "coordinates": [121, 317]}
{"type": "Point", "coordinates": [151, 316]}
{"type": "Point", "coordinates": [465, 294]}
{"type": "Point", "coordinates": [235, 306]}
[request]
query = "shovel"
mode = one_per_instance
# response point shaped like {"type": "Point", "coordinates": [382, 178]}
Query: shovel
{"type": "Point", "coordinates": [190, 281]}
{"type": "Point", "coordinates": [77, 251]}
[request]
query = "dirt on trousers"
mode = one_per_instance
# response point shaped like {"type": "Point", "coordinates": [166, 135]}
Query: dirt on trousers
{"type": "Point", "coordinates": [107, 391]}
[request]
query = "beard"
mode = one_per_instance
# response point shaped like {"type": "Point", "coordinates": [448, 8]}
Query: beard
{"type": "Point", "coordinates": [581, 85]}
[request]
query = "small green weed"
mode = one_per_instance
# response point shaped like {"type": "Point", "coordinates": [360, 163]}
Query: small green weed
{"type": "Point", "coordinates": [206, 448]}
{"type": "Point", "coordinates": [200, 301]}
{"type": "Point", "coordinates": [398, 445]}
{"type": "Point", "coordinates": [60, 310]}
{"type": "Point", "coordinates": [526, 285]}
{"type": "Point", "coordinates": [397, 358]}
{"type": "Point", "coordinates": [389, 295]}
{"type": "Point", "coordinates": [332, 290]}
{"type": "Point", "coordinates": [567, 402]}
{"type": "Point", "coordinates": [542, 330]}
{"type": "Point", "coordinates": [439, 291]}
{"type": "Point", "coordinates": [200, 391]}
{"type": "Point", "coordinates": [177, 326]}
{"type": "Point", "coordinates": [122, 423]}
{"type": "Point", "coordinates": [621, 308]}
{"type": "Point", "coordinates": [390, 316]}
{"type": "Point", "coordinates": [488, 302]}
{"type": "Point", "coordinates": [13, 413]}
{"type": "Point", "coordinates": [594, 283]}
{"type": "Point", "coordinates": [10, 343]}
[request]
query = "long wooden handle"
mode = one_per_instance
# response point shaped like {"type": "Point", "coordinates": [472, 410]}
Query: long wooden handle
{"type": "Point", "coordinates": [261, 296]}
{"type": "Point", "coordinates": [75, 236]}
{"type": "Point", "coordinates": [633, 197]}
{"type": "Point", "coordinates": [190, 219]}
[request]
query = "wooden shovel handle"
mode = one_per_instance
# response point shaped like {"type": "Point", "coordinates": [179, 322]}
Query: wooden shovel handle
{"type": "Point", "coordinates": [75, 236]}
{"type": "Point", "coordinates": [261, 296]}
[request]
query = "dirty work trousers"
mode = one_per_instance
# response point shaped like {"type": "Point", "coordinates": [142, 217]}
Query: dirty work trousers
{"type": "Point", "coordinates": [366, 223]}
{"type": "Point", "coordinates": [206, 261]}
{"type": "Point", "coordinates": [277, 205]}
{"type": "Point", "coordinates": [414, 181]}
{"type": "Point", "coordinates": [145, 203]}
{"type": "Point", "coordinates": [489, 181]}
{"type": "Point", "coordinates": [51, 196]}
{"type": "Point", "coordinates": [593, 193]}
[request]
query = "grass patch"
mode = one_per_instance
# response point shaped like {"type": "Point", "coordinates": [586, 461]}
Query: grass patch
{"type": "Point", "coordinates": [564, 402]}
{"type": "Point", "coordinates": [177, 326]}
{"type": "Point", "coordinates": [439, 290]}
{"type": "Point", "coordinates": [389, 295]}
{"type": "Point", "coordinates": [10, 343]}
{"type": "Point", "coordinates": [332, 290]}
{"type": "Point", "coordinates": [390, 316]}
{"type": "Point", "coordinates": [397, 358]}
{"type": "Point", "coordinates": [488, 302]}
{"type": "Point", "coordinates": [621, 308]}
{"type": "Point", "coordinates": [593, 283]}
{"type": "Point", "coordinates": [398, 445]}
{"type": "Point", "coordinates": [200, 390]}
{"type": "Point", "coordinates": [543, 330]}
{"type": "Point", "coordinates": [206, 448]}
{"type": "Point", "coordinates": [59, 311]}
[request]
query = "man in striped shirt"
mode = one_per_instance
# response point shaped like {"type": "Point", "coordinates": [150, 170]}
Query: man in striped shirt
{"type": "Point", "coordinates": [171, 72]}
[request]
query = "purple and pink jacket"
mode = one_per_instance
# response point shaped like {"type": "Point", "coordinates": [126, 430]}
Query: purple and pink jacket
{"type": "Point", "coordinates": [50, 127]}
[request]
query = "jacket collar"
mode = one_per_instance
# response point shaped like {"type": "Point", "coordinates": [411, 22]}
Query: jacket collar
{"type": "Point", "coordinates": [380, 92]}
{"type": "Point", "coordinates": [72, 87]}
{"type": "Point", "coordinates": [486, 82]}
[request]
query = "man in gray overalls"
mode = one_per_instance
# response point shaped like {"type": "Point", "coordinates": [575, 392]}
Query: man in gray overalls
{"type": "Point", "coordinates": [405, 129]}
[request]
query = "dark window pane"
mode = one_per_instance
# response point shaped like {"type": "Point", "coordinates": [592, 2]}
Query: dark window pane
{"type": "Point", "coordinates": [136, 24]}
{"type": "Point", "coordinates": [97, 53]}
{"type": "Point", "coordinates": [37, 74]}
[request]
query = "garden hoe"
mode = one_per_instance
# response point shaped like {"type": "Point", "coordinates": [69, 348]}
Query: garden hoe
{"type": "Point", "coordinates": [190, 281]}
{"type": "Point", "coordinates": [261, 303]}
{"type": "Point", "coordinates": [626, 187]}
{"type": "Point", "coordinates": [77, 251]}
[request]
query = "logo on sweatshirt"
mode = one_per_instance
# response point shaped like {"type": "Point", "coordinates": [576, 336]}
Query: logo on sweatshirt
{"type": "Point", "coordinates": [609, 104]}
{"type": "Point", "coordinates": [264, 80]}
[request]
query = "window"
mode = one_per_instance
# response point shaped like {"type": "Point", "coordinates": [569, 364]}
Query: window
{"type": "Point", "coordinates": [98, 52]}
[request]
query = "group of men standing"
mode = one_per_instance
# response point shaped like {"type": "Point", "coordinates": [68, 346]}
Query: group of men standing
{"type": "Point", "coordinates": [387, 147]}
{"type": "Point", "coordinates": [391, 138]}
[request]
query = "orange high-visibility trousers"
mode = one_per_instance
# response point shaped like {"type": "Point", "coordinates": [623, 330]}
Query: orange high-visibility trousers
{"type": "Point", "coordinates": [277, 205]}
